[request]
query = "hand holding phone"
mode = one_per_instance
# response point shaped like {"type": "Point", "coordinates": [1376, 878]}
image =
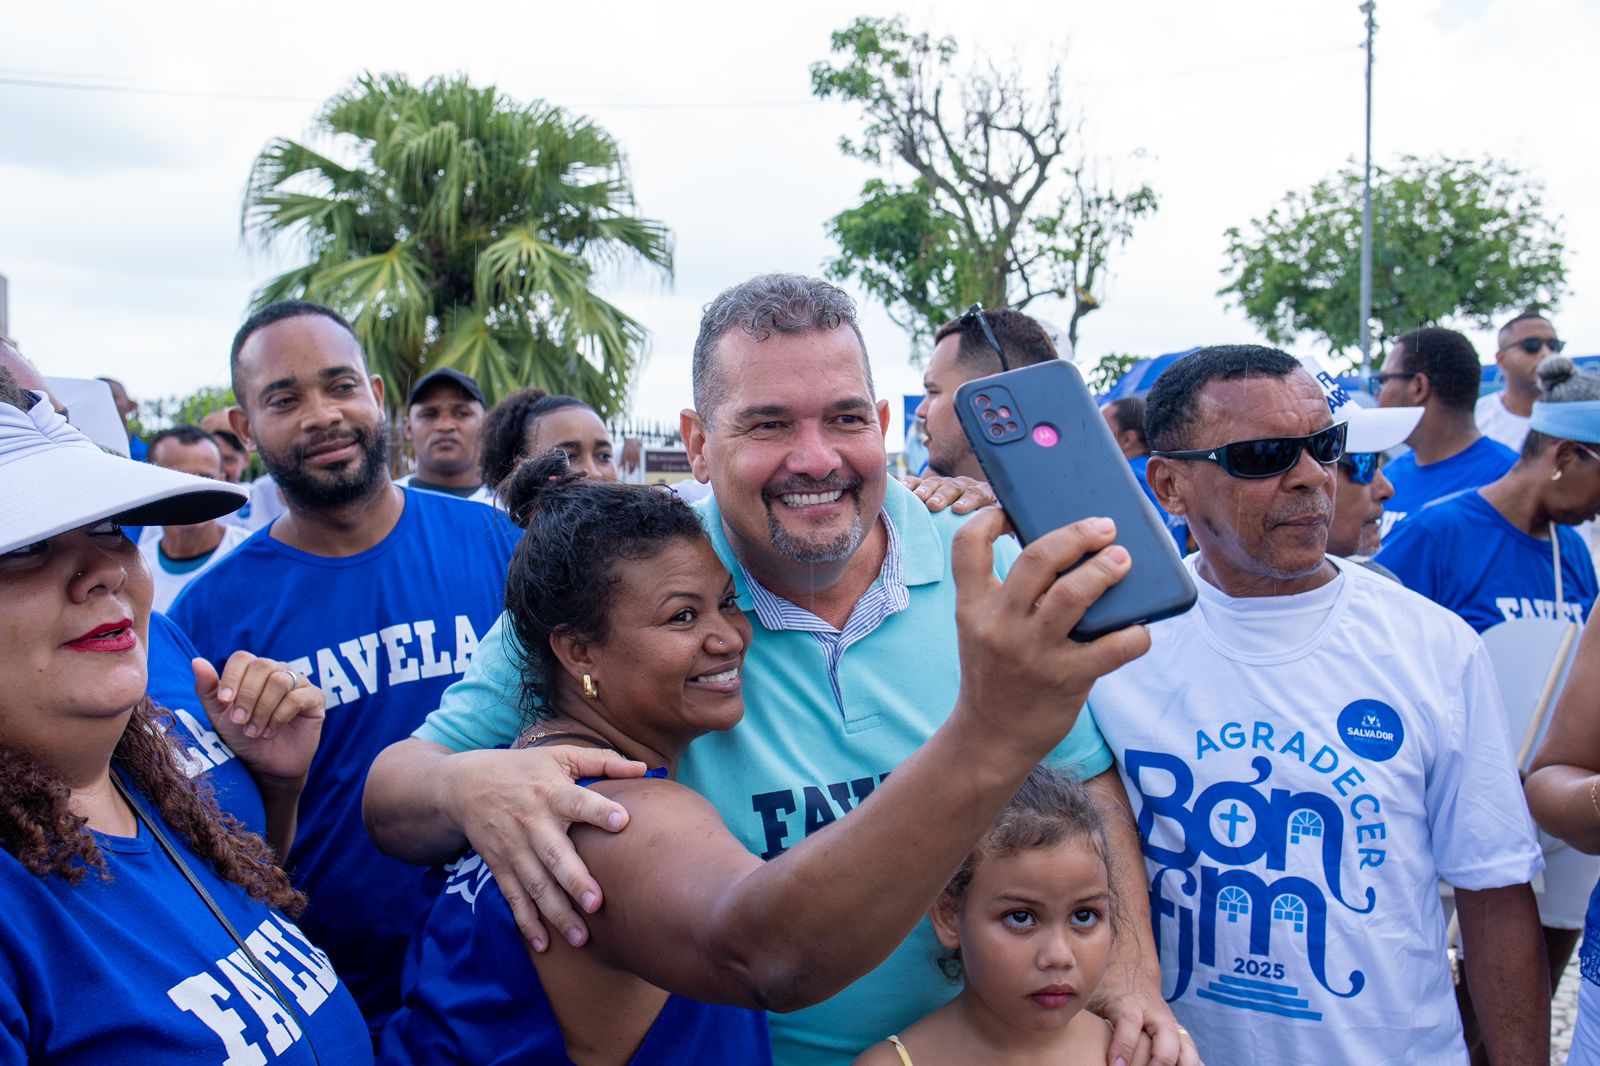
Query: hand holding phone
{"type": "Point", "coordinates": [1052, 461]}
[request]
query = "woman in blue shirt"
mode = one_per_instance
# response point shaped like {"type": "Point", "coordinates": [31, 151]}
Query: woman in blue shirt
{"type": "Point", "coordinates": [138, 924]}
{"type": "Point", "coordinates": [1508, 551]}
{"type": "Point", "coordinates": [1490, 554]}
{"type": "Point", "coordinates": [1563, 789]}
{"type": "Point", "coordinates": [631, 639]}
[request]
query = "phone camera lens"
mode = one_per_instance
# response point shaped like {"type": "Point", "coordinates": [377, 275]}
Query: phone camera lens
{"type": "Point", "coordinates": [996, 432]}
{"type": "Point", "coordinates": [989, 416]}
{"type": "Point", "coordinates": [1011, 427]}
{"type": "Point", "coordinates": [982, 401]}
{"type": "Point", "coordinates": [1005, 412]}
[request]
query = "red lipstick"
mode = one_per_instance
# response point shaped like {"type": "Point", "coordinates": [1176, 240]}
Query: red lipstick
{"type": "Point", "coordinates": [111, 637]}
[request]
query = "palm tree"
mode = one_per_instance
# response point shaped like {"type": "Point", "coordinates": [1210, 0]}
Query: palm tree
{"type": "Point", "coordinates": [467, 235]}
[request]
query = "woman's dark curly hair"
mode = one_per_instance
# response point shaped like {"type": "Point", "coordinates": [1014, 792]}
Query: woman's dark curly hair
{"type": "Point", "coordinates": [563, 574]}
{"type": "Point", "coordinates": [1049, 808]}
{"type": "Point", "coordinates": [503, 441]}
{"type": "Point", "coordinates": [38, 827]}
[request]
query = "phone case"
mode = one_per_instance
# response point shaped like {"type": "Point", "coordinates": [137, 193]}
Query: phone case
{"type": "Point", "coordinates": [1052, 460]}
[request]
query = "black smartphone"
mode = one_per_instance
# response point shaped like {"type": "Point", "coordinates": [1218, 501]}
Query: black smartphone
{"type": "Point", "coordinates": [1052, 460]}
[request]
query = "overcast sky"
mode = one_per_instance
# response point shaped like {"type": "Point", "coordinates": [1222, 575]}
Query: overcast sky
{"type": "Point", "coordinates": [119, 204]}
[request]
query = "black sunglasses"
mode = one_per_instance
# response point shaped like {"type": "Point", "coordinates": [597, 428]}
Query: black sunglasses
{"type": "Point", "coordinates": [1269, 456]}
{"type": "Point", "coordinates": [1361, 466]}
{"type": "Point", "coordinates": [976, 312]}
{"type": "Point", "coordinates": [1531, 345]}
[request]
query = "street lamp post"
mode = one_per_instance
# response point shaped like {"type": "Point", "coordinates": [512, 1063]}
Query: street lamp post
{"type": "Point", "coordinates": [1366, 210]}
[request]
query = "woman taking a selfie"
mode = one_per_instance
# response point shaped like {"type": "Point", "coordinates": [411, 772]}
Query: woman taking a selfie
{"type": "Point", "coordinates": [137, 923]}
{"type": "Point", "coordinates": [633, 641]}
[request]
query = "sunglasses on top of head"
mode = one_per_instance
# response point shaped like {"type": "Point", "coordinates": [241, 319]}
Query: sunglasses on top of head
{"type": "Point", "coordinates": [1531, 345]}
{"type": "Point", "coordinates": [975, 314]}
{"type": "Point", "coordinates": [1269, 456]}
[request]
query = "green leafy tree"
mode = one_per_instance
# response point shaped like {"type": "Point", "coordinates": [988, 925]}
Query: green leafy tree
{"type": "Point", "coordinates": [1109, 370]}
{"type": "Point", "coordinates": [1003, 206]}
{"type": "Point", "coordinates": [1453, 239]}
{"type": "Point", "coordinates": [466, 232]}
{"type": "Point", "coordinates": [169, 411]}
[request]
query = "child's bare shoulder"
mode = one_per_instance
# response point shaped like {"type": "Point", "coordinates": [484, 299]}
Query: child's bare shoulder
{"type": "Point", "coordinates": [1090, 1039]}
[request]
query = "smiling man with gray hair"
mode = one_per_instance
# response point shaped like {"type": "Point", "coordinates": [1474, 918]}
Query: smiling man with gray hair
{"type": "Point", "coordinates": [846, 579]}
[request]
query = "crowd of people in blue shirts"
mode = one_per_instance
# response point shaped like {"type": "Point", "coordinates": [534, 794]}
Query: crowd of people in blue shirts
{"type": "Point", "coordinates": [517, 760]}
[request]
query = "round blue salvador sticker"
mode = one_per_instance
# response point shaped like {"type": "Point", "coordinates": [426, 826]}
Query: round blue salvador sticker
{"type": "Point", "coordinates": [1371, 729]}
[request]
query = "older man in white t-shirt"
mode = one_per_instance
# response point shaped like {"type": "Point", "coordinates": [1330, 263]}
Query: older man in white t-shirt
{"type": "Point", "coordinates": [1308, 750]}
{"type": "Point", "coordinates": [1524, 343]}
{"type": "Point", "coordinates": [177, 555]}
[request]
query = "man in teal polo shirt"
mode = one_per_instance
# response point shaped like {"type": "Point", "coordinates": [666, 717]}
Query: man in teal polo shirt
{"type": "Point", "coordinates": [846, 577]}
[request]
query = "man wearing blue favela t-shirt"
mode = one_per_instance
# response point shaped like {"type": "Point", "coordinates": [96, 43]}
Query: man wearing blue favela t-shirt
{"type": "Point", "coordinates": [1437, 370]}
{"type": "Point", "coordinates": [845, 577]}
{"type": "Point", "coordinates": [1309, 750]}
{"type": "Point", "coordinates": [379, 594]}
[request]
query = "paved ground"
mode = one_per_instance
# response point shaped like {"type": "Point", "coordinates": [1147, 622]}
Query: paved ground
{"type": "Point", "coordinates": [1564, 1013]}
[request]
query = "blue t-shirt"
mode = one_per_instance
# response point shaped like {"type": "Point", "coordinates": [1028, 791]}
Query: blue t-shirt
{"type": "Point", "coordinates": [1462, 554]}
{"type": "Point", "coordinates": [1589, 954]}
{"type": "Point", "coordinates": [171, 689]}
{"type": "Point", "coordinates": [472, 994]}
{"type": "Point", "coordinates": [825, 721]}
{"type": "Point", "coordinates": [383, 633]}
{"type": "Point", "coordinates": [136, 970]}
{"type": "Point", "coordinates": [1175, 525]}
{"type": "Point", "coordinates": [1416, 486]}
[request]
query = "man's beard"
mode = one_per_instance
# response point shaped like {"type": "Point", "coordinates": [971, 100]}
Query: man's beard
{"type": "Point", "coordinates": [948, 464]}
{"type": "Point", "coordinates": [799, 549]}
{"type": "Point", "coordinates": [331, 489]}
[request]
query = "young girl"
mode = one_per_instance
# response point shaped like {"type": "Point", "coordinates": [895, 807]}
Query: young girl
{"type": "Point", "coordinates": [1028, 922]}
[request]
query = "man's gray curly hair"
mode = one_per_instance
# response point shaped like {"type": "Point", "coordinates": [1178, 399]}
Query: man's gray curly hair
{"type": "Point", "coordinates": [762, 306]}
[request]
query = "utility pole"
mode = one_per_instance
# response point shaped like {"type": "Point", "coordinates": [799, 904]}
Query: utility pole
{"type": "Point", "coordinates": [1366, 210]}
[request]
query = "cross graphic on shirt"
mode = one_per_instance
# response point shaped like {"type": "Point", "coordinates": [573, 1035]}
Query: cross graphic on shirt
{"type": "Point", "coordinates": [1234, 819]}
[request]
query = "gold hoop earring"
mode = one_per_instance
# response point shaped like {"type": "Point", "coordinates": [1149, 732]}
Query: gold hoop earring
{"type": "Point", "coordinates": [590, 689]}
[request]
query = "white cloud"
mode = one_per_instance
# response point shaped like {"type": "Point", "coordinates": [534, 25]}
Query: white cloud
{"type": "Point", "coordinates": [119, 211]}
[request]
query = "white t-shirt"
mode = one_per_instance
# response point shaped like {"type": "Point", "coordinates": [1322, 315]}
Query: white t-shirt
{"type": "Point", "coordinates": [171, 578]}
{"type": "Point", "coordinates": [1497, 423]}
{"type": "Point", "coordinates": [481, 494]}
{"type": "Point", "coordinates": [1304, 769]}
{"type": "Point", "coordinates": [265, 504]}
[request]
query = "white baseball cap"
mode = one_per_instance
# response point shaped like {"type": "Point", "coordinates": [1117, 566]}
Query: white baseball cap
{"type": "Point", "coordinates": [1372, 429]}
{"type": "Point", "coordinates": [54, 479]}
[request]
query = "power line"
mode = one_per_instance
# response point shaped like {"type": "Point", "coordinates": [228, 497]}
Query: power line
{"type": "Point", "coordinates": [147, 90]}
{"type": "Point", "coordinates": [74, 82]}
{"type": "Point", "coordinates": [58, 82]}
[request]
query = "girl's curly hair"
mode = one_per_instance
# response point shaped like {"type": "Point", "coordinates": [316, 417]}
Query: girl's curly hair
{"type": "Point", "coordinates": [38, 827]}
{"type": "Point", "coordinates": [503, 441]}
{"type": "Point", "coordinates": [562, 577]}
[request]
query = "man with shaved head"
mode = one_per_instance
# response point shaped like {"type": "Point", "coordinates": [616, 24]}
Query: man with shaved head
{"type": "Point", "coordinates": [1522, 344]}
